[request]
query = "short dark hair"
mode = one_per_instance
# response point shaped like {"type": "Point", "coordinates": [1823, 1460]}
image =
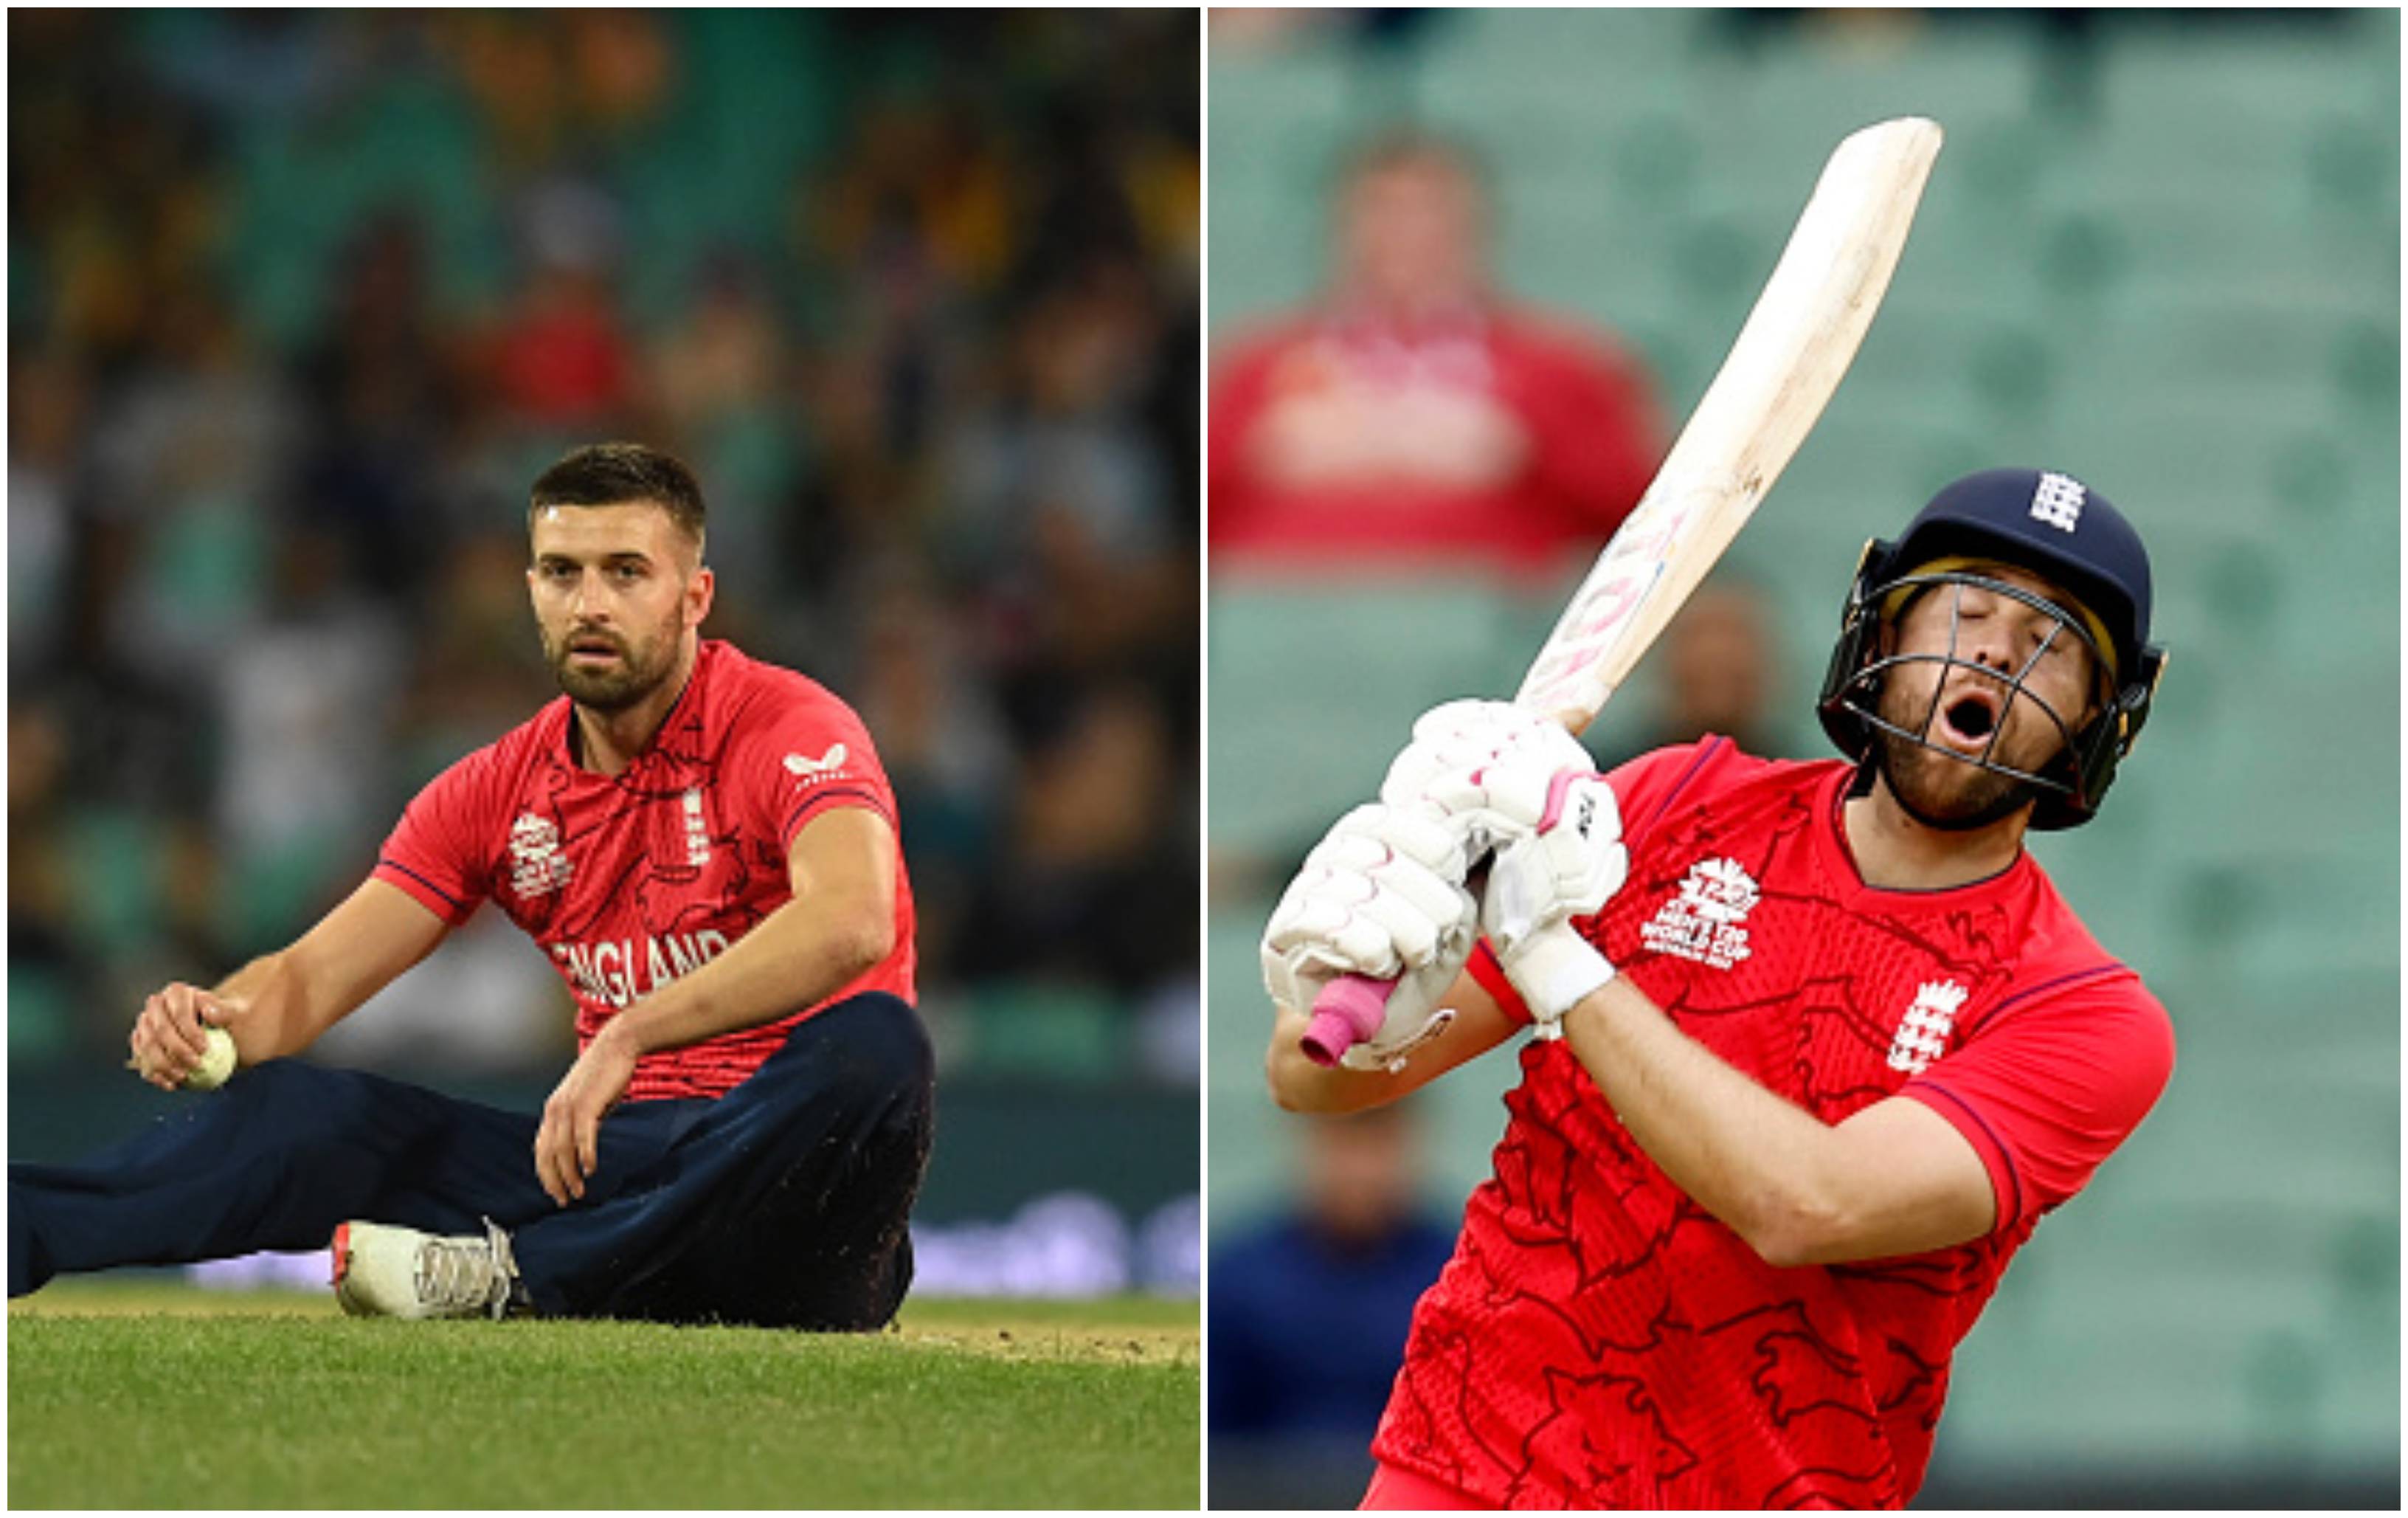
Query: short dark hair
{"type": "Point", "coordinates": [617, 474]}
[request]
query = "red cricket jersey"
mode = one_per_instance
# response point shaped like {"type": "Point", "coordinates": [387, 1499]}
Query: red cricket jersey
{"type": "Point", "coordinates": [1584, 408]}
{"type": "Point", "coordinates": [1598, 1338]}
{"type": "Point", "coordinates": [629, 881]}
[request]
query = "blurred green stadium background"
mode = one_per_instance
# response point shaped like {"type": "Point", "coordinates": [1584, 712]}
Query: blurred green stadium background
{"type": "Point", "coordinates": [298, 304]}
{"type": "Point", "coordinates": [2160, 251]}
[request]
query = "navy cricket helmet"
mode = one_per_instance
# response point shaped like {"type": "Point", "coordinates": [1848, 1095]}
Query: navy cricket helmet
{"type": "Point", "coordinates": [2059, 529]}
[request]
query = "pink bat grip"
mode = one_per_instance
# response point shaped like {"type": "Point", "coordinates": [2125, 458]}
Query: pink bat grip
{"type": "Point", "coordinates": [1348, 1011]}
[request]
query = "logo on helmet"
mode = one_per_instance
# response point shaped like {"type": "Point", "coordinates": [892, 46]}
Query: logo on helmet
{"type": "Point", "coordinates": [2058, 501]}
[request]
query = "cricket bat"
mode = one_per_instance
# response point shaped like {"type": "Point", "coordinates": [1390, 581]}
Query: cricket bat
{"type": "Point", "coordinates": [1779, 374]}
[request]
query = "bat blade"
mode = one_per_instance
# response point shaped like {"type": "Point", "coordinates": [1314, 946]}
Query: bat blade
{"type": "Point", "coordinates": [1779, 374]}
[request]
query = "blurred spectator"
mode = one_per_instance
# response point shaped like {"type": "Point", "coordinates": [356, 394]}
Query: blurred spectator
{"type": "Point", "coordinates": [1308, 1313]}
{"type": "Point", "coordinates": [1716, 670]}
{"type": "Point", "coordinates": [47, 399]}
{"type": "Point", "coordinates": [946, 751]}
{"type": "Point", "coordinates": [300, 302]}
{"type": "Point", "coordinates": [190, 455]}
{"type": "Point", "coordinates": [561, 361]}
{"type": "Point", "coordinates": [1099, 875]}
{"type": "Point", "coordinates": [47, 971]}
{"type": "Point", "coordinates": [1416, 415]}
{"type": "Point", "coordinates": [718, 378]}
{"type": "Point", "coordinates": [381, 392]}
{"type": "Point", "coordinates": [307, 697]}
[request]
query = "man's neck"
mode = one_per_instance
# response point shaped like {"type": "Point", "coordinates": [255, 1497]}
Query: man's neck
{"type": "Point", "coordinates": [1895, 852]}
{"type": "Point", "coordinates": [608, 741]}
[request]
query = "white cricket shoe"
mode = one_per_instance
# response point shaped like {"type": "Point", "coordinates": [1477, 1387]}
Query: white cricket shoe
{"type": "Point", "coordinates": [385, 1271]}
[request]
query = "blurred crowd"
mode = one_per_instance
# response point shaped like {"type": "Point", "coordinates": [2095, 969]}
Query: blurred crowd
{"type": "Point", "coordinates": [1416, 413]}
{"type": "Point", "coordinates": [299, 304]}
{"type": "Point", "coordinates": [2071, 33]}
{"type": "Point", "coordinates": [1310, 1307]}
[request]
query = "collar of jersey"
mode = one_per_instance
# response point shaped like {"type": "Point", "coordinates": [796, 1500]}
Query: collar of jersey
{"type": "Point", "coordinates": [1839, 861]}
{"type": "Point", "coordinates": [563, 754]}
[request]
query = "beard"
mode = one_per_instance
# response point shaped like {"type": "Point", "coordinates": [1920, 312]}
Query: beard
{"type": "Point", "coordinates": [1935, 786]}
{"type": "Point", "coordinates": [641, 667]}
{"type": "Point", "coordinates": [1940, 791]}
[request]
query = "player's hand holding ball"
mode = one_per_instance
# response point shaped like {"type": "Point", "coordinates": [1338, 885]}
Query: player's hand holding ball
{"type": "Point", "coordinates": [179, 1042]}
{"type": "Point", "coordinates": [1379, 896]}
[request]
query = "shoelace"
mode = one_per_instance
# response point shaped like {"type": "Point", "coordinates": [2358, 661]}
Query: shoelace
{"type": "Point", "coordinates": [457, 1273]}
{"type": "Point", "coordinates": [509, 1296]}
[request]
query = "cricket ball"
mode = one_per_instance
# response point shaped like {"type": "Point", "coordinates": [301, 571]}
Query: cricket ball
{"type": "Point", "coordinates": [216, 1064]}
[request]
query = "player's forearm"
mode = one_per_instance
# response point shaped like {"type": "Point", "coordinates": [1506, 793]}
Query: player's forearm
{"type": "Point", "coordinates": [798, 955]}
{"type": "Point", "coordinates": [1752, 1159]}
{"type": "Point", "coordinates": [279, 1004]}
{"type": "Point", "coordinates": [268, 1003]}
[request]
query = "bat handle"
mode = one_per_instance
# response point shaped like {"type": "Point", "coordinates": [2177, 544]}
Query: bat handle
{"type": "Point", "coordinates": [1348, 1011]}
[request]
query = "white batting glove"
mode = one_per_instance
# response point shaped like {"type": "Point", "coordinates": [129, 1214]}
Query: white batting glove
{"type": "Point", "coordinates": [1463, 738]}
{"type": "Point", "coordinates": [1569, 866]}
{"type": "Point", "coordinates": [1382, 895]}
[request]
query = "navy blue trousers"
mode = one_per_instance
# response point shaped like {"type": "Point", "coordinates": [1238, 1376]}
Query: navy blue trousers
{"type": "Point", "coordinates": [785, 1203]}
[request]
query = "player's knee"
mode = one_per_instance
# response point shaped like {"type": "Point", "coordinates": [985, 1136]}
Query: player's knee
{"type": "Point", "coordinates": [864, 1049]}
{"type": "Point", "coordinates": [275, 1083]}
{"type": "Point", "coordinates": [863, 1068]}
{"type": "Point", "coordinates": [896, 1042]}
{"type": "Point", "coordinates": [903, 1071]}
{"type": "Point", "coordinates": [298, 1094]}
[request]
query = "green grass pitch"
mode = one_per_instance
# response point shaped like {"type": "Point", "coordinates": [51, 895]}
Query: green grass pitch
{"type": "Point", "coordinates": [147, 1395]}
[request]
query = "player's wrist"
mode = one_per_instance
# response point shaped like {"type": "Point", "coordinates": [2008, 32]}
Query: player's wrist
{"type": "Point", "coordinates": [1555, 971]}
{"type": "Point", "coordinates": [623, 1035]}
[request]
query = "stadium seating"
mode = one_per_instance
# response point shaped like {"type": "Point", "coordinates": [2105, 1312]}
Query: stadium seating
{"type": "Point", "coordinates": [1324, 679]}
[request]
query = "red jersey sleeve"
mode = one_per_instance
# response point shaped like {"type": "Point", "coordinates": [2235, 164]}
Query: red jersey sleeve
{"type": "Point", "coordinates": [2048, 1086]}
{"type": "Point", "coordinates": [1643, 787]}
{"type": "Point", "coordinates": [802, 752]}
{"type": "Point", "coordinates": [437, 853]}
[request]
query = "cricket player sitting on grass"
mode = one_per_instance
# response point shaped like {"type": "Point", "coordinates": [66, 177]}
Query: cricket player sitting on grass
{"type": "Point", "coordinates": [706, 849]}
{"type": "Point", "coordinates": [1816, 1044]}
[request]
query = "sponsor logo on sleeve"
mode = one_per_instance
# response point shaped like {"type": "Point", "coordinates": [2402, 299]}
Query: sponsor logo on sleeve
{"type": "Point", "coordinates": [817, 771]}
{"type": "Point", "coordinates": [813, 771]}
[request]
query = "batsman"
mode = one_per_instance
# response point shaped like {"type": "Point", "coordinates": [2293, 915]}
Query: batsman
{"type": "Point", "coordinates": [1815, 1044]}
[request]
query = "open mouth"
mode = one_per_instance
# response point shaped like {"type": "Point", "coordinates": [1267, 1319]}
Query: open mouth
{"type": "Point", "coordinates": [1970, 720]}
